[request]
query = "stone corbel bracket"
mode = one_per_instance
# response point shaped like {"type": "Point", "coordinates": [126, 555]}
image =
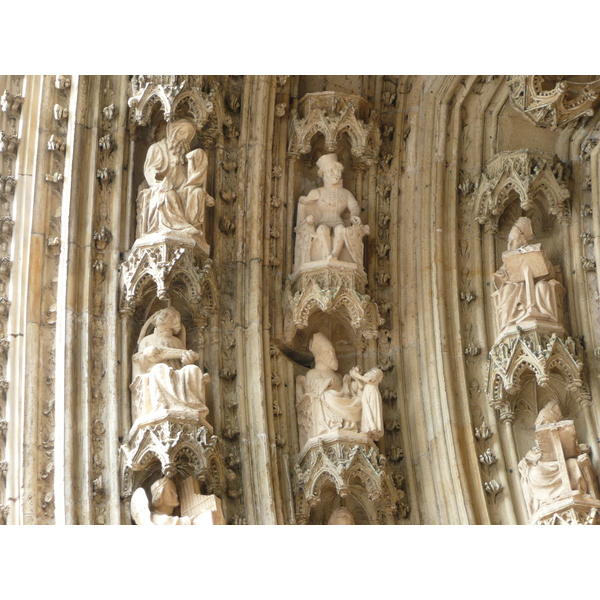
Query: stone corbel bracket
{"type": "Point", "coordinates": [170, 92]}
{"type": "Point", "coordinates": [173, 448]}
{"type": "Point", "coordinates": [356, 469]}
{"type": "Point", "coordinates": [553, 101]}
{"type": "Point", "coordinates": [167, 266]}
{"type": "Point", "coordinates": [333, 114]}
{"type": "Point", "coordinates": [332, 290]}
{"type": "Point", "coordinates": [540, 353]}
{"type": "Point", "coordinates": [533, 176]}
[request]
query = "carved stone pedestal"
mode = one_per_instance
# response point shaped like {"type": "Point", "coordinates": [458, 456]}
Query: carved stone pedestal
{"type": "Point", "coordinates": [347, 466]}
{"type": "Point", "coordinates": [169, 449]}
{"type": "Point", "coordinates": [330, 286]}
{"type": "Point", "coordinates": [572, 510]}
{"type": "Point", "coordinates": [169, 263]}
{"type": "Point", "coordinates": [540, 351]}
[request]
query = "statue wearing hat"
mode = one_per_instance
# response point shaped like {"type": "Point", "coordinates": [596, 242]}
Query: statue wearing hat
{"type": "Point", "coordinates": [329, 226]}
{"type": "Point", "coordinates": [527, 290]}
{"type": "Point", "coordinates": [175, 199]}
{"type": "Point", "coordinates": [328, 402]}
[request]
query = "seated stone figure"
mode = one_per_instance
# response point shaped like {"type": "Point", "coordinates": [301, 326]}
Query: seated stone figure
{"type": "Point", "coordinates": [321, 232]}
{"type": "Point", "coordinates": [328, 402]}
{"type": "Point", "coordinates": [558, 467]}
{"type": "Point", "coordinates": [176, 199]}
{"type": "Point", "coordinates": [164, 501]}
{"type": "Point", "coordinates": [166, 383]}
{"type": "Point", "coordinates": [527, 290]}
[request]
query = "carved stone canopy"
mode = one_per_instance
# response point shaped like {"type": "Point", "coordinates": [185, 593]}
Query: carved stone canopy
{"type": "Point", "coordinates": [169, 92]}
{"type": "Point", "coordinates": [167, 265]}
{"type": "Point", "coordinates": [543, 354]}
{"type": "Point", "coordinates": [354, 467]}
{"type": "Point", "coordinates": [332, 114]}
{"type": "Point", "coordinates": [531, 175]}
{"type": "Point", "coordinates": [554, 101]}
{"type": "Point", "coordinates": [333, 288]}
{"type": "Point", "coordinates": [172, 448]}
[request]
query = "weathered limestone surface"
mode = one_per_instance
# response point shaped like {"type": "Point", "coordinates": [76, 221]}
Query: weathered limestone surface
{"type": "Point", "coordinates": [220, 200]}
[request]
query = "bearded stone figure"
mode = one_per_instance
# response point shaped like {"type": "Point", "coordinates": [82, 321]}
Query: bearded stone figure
{"type": "Point", "coordinates": [321, 231]}
{"type": "Point", "coordinates": [329, 403]}
{"type": "Point", "coordinates": [527, 291]}
{"type": "Point", "coordinates": [176, 199]}
{"type": "Point", "coordinates": [558, 467]}
{"type": "Point", "coordinates": [166, 383]}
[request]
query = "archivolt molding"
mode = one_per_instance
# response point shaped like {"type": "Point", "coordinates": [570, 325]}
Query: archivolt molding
{"type": "Point", "coordinates": [552, 100]}
{"type": "Point", "coordinates": [163, 264]}
{"type": "Point", "coordinates": [333, 114]}
{"type": "Point", "coordinates": [174, 448]}
{"type": "Point", "coordinates": [538, 352]}
{"type": "Point", "coordinates": [533, 176]}
{"type": "Point", "coordinates": [356, 468]}
{"type": "Point", "coordinates": [170, 92]}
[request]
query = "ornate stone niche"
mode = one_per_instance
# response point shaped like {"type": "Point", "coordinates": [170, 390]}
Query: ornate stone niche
{"type": "Point", "coordinates": [339, 420]}
{"type": "Point", "coordinates": [177, 450]}
{"type": "Point", "coordinates": [554, 101]}
{"type": "Point", "coordinates": [346, 470]}
{"type": "Point", "coordinates": [328, 273]}
{"type": "Point", "coordinates": [560, 484]}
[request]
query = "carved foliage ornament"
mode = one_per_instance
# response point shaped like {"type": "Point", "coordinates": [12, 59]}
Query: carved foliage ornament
{"type": "Point", "coordinates": [531, 175]}
{"type": "Point", "coordinates": [332, 114]}
{"type": "Point", "coordinates": [552, 100]}
{"type": "Point", "coordinates": [170, 91]}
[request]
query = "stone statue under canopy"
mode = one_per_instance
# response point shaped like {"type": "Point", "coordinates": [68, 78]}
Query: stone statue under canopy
{"type": "Point", "coordinates": [329, 226]}
{"type": "Point", "coordinates": [174, 204]}
{"type": "Point", "coordinates": [329, 403]}
{"type": "Point", "coordinates": [527, 291]}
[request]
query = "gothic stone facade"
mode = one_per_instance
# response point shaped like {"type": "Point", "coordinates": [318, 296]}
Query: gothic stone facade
{"type": "Point", "coordinates": [299, 299]}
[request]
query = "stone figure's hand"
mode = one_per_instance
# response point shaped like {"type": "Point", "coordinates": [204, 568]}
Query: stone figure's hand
{"type": "Point", "coordinates": [310, 219]}
{"type": "Point", "coordinates": [151, 352]}
{"type": "Point", "coordinates": [355, 221]}
{"type": "Point", "coordinates": [302, 200]}
{"type": "Point", "coordinates": [188, 357]}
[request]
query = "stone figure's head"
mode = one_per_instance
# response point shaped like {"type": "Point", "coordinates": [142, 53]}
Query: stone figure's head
{"type": "Point", "coordinates": [180, 134]}
{"type": "Point", "coordinates": [167, 318]}
{"type": "Point", "coordinates": [374, 376]}
{"type": "Point", "coordinates": [341, 516]}
{"type": "Point", "coordinates": [550, 413]}
{"type": "Point", "coordinates": [520, 234]}
{"type": "Point", "coordinates": [323, 351]}
{"type": "Point", "coordinates": [164, 496]}
{"type": "Point", "coordinates": [330, 169]}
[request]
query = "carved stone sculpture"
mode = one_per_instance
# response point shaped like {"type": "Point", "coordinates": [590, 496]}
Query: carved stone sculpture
{"type": "Point", "coordinates": [341, 516]}
{"type": "Point", "coordinates": [166, 383]}
{"type": "Point", "coordinates": [558, 467]}
{"type": "Point", "coordinates": [175, 201]}
{"type": "Point", "coordinates": [527, 291]}
{"type": "Point", "coordinates": [205, 511]}
{"type": "Point", "coordinates": [329, 403]}
{"type": "Point", "coordinates": [322, 231]}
